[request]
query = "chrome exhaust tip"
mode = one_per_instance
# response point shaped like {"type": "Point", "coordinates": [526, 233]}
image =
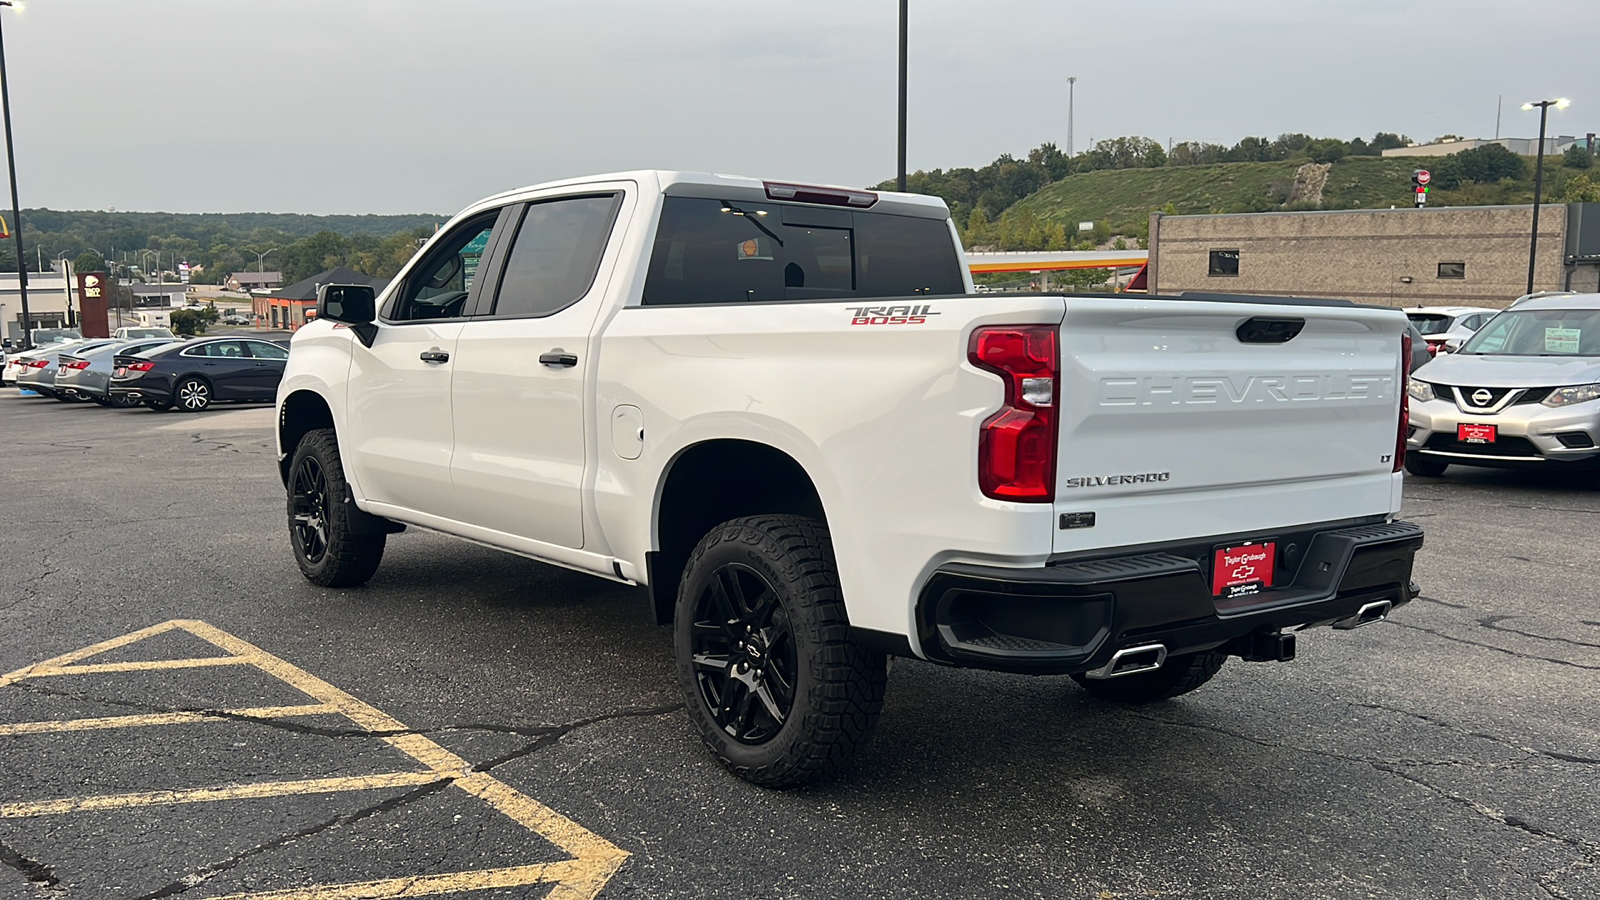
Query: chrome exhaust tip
{"type": "Point", "coordinates": [1132, 660]}
{"type": "Point", "coordinates": [1376, 611]}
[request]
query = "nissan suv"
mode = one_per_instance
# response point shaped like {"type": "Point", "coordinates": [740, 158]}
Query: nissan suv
{"type": "Point", "coordinates": [1523, 392]}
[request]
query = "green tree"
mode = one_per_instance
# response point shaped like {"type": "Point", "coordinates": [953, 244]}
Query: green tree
{"type": "Point", "coordinates": [1385, 140]}
{"type": "Point", "coordinates": [1577, 157]}
{"type": "Point", "coordinates": [1580, 189]}
{"type": "Point", "coordinates": [1483, 165]}
{"type": "Point", "coordinates": [977, 228]}
{"type": "Point", "coordinates": [190, 322]}
{"type": "Point", "coordinates": [88, 261]}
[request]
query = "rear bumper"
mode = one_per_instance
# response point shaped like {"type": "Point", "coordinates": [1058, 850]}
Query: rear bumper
{"type": "Point", "coordinates": [1075, 616]}
{"type": "Point", "coordinates": [140, 393]}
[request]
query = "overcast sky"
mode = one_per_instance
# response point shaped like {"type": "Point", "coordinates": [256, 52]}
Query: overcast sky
{"type": "Point", "coordinates": [357, 106]}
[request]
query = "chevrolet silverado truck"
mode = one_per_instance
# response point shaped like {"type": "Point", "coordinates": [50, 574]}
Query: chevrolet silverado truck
{"type": "Point", "coordinates": [784, 409]}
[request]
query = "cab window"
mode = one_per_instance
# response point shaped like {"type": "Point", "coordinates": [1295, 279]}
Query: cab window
{"type": "Point", "coordinates": [438, 287]}
{"type": "Point", "coordinates": [555, 255]}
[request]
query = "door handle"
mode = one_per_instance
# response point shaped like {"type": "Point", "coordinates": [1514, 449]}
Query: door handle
{"type": "Point", "coordinates": [438, 356]}
{"type": "Point", "coordinates": [558, 358]}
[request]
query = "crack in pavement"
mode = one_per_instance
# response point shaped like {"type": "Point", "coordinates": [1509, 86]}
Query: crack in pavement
{"type": "Point", "coordinates": [1527, 656]}
{"type": "Point", "coordinates": [1493, 624]}
{"type": "Point", "coordinates": [1516, 822]}
{"type": "Point", "coordinates": [1392, 768]}
{"type": "Point", "coordinates": [541, 732]}
{"type": "Point", "coordinates": [211, 870]}
{"type": "Point", "coordinates": [37, 873]}
{"type": "Point", "coordinates": [1450, 726]}
{"type": "Point", "coordinates": [548, 738]}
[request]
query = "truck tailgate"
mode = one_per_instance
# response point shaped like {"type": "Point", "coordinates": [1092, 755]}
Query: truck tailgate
{"type": "Point", "coordinates": [1179, 420]}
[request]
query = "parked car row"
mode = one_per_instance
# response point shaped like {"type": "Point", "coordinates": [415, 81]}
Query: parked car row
{"type": "Point", "coordinates": [157, 372]}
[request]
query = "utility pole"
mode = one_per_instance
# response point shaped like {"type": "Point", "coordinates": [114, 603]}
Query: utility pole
{"type": "Point", "coordinates": [1497, 102]}
{"type": "Point", "coordinates": [1071, 80]}
{"type": "Point", "coordinates": [16, 209]}
{"type": "Point", "coordinates": [900, 178]}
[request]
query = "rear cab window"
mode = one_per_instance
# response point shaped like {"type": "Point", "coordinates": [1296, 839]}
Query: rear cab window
{"type": "Point", "coordinates": [711, 251]}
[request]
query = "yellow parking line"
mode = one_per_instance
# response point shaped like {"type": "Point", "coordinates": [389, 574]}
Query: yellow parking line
{"type": "Point", "coordinates": [594, 859]}
{"type": "Point", "coordinates": [173, 718]}
{"type": "Point", "coordinates": [132, 637]}
{"type": "Point", "coordinates": [140, 666]}
{"type": "Point", "coordinates": [429, 885]}
{"type": "Point", "coordinates": [254, 791]}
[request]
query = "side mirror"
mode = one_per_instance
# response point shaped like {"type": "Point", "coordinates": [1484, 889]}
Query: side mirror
{"type": "Point", "coordinates": [353, 304]}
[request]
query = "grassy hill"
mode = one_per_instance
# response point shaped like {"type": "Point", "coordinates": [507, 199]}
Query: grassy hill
{"type": "Point", "coordinates": [1124, 198]}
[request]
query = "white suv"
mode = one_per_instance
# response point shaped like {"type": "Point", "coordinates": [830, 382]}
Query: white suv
{"type": "Point", "coordinates": [1524, 392]}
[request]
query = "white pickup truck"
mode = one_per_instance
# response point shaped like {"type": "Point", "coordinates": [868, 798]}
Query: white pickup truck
{"type": "Point", "coordinates": [784, 409]}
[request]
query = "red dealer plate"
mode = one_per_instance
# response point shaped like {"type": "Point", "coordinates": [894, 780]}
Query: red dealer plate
{"type": "Point", "coordinates": [1238, 571]}
{"type": "Point", "coordinates": [1469, 433]}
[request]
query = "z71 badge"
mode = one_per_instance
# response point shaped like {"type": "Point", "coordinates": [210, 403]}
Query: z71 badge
{"type": "Point", "coordinates": [891, 315]}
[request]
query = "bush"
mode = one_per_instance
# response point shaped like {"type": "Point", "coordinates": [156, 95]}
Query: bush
{"type": "Point", "coordinates": [1577, 156]}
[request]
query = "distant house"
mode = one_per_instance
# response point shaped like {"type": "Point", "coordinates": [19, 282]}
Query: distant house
{"type": "Point", "coordinates": [254, 281]}
{"type": "Point", "coordinates": [296, 304]}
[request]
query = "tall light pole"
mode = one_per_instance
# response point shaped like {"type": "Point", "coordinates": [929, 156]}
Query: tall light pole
{"type": "Point", "coordinates": [1071, 81]}
{"type": "Point", "coordinates": [900, 177]}
{"type": "Point", "coordinates": [1538, 178]}
{"type": "Point", "coordinates": [16, 209]}
{"type": "Point", "coordinates": [262, 256]}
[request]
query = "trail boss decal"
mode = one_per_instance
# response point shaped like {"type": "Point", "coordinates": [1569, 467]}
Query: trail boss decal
{"type": "Point", "coordinates": [891, 315]}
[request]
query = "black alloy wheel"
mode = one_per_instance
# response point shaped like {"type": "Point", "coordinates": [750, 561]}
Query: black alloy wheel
{"type": "Point", "coordinates": [744, 654]}
{"type": "Point", "coordinates": [308, 509]}
{"type": "Point", "coordinates": [192, 395]}
{"type": "Point", "coordinates": [325, 543]}
{"type": "Point", "coordinates": [771, 676]}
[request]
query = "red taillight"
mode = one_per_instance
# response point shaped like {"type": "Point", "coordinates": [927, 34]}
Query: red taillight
{"type": "Point", "coordinates": [36, 363]}
{"type": "Point", "coordinates": [1405, 401]}
{"type": "Point", "coordinates": [76, 364]}
{"type": "Point", "coordinates": [1017, 445]}
{"type": "Point", "coordinates": [1433, 346]}
{"type": "Point", "coordinates": [141, 366]}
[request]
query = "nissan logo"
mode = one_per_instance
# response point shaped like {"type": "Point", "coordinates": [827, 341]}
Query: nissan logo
{"type": "Point", "coordinates": [1481, 397]}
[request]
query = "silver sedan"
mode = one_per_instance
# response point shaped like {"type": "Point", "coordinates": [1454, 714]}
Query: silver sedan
{"type": "Point", "coordinates": [84, 374]}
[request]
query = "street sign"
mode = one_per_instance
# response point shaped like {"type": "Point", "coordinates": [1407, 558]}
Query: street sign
{"type": "Point", "coordinates": [1421, 176]}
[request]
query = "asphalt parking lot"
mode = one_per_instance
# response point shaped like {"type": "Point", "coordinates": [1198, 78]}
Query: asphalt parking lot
{"type": "Point", "coordinates": [186, 716]}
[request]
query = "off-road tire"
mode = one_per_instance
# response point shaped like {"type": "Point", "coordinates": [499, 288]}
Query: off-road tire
{"type": "Point", "coordinates": [324, 547]}
{"type": "Point", "coordinates": [1180, 675]}
{"type": "Point", "coordinates": [838, 685]}
{"type": "Point", "coordinates": [1425, 468]}
{"type": "Point", "coordinates": [192, 395]}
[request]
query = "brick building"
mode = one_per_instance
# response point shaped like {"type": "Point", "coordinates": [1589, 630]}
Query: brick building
{"type": "Point", "coordinates": [1470, 255]}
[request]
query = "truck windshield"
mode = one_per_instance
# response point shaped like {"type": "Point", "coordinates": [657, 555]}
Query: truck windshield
{"type": "Point", "coordinates": [719, 251]}
{"type": "Point", "coordinates": [1539, 332]}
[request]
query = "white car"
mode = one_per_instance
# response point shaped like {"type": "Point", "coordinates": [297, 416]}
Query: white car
{"type": "Point", "coordinates": [784, 409]}
{"type": "Point", "coordinates": [139, 332]}
{"type": "Point", "coordinates": [1524, 392]}
{"type": "Point", "coordinates": [1446, 327]}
